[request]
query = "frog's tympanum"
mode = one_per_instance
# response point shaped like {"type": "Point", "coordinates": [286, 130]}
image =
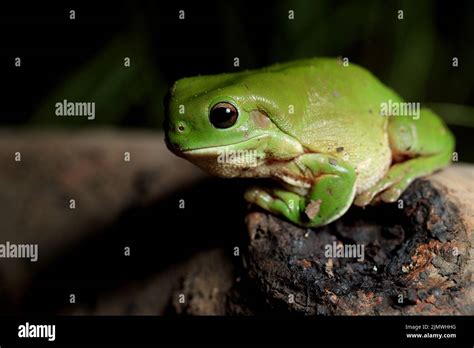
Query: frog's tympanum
{"type": "Point", "coordinates": [328, 134]}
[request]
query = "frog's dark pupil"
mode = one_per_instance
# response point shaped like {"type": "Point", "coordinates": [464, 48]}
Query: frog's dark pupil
{"type": "Point", "coordinates": [223, 115]}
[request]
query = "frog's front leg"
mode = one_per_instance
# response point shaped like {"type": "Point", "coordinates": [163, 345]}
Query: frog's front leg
{"type": "Point", "coordinates": [331, 192]}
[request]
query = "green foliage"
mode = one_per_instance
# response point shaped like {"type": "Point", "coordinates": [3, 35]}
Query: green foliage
{"type": "Point", "coordinates": [114, 88]}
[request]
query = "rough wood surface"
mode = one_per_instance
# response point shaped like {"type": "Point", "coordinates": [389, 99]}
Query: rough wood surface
{"type": "Point", "coordinates": [417, 259]}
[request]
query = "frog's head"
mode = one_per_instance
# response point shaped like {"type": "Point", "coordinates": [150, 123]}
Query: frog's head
{"type": "Point", "coordinates": [221, 124]}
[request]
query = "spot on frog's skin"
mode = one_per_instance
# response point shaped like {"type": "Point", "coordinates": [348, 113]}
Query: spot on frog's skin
{"type": "Point", "coordinates": [340, 149]}
{"type": "Point", "coordinates": [260, 119]}
{"type": "Point", "coordinates": [312, 209]}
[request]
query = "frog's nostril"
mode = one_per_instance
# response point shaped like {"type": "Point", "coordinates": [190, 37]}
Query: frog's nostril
{"type": "Point", "coordinates": [180, 127]}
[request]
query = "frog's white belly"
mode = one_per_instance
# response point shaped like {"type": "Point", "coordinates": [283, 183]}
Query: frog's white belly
{"type": "Point", "coordinates": [370, 170]}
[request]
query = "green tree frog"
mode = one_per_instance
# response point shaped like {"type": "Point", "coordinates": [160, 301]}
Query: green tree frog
{"type": "Point", "coordinates": [329, 134]}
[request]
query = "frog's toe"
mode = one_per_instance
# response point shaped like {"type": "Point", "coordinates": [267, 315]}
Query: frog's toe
{"type": "Point", "coordinates": [276, 201]}
{"type": "Point", "coordinates": [265, 200]}
{"type": "Point", "coordinates": [373, 195]}
{"type": "Point", "coordinates": [257, 196]}
{"type": "Point", "coordinates": [390, 195]}
{"type": "Point", "coordinates": [364, 199]}
{"type": "Point", "coordinates": [393, 193]}
{"type": "Point", "coordinates": [369, 197]}
{"type": "Point", "coordinates": [380, 194]}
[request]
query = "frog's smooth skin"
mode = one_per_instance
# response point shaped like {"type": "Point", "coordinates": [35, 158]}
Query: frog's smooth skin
{"type": "Point", "coordinates": [315, 126]}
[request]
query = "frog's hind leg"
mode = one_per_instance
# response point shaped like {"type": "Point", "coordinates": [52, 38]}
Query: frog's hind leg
{"type": "Point", "coordinates": [419, 147]}
{"type": "Point", "coordinates": [400, 176]}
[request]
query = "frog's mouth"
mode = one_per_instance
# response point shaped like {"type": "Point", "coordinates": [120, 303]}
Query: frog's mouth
{"type": "Point", "coordinates": [251, 144]}
{"type": "Point", "coordinates": [229, 160]}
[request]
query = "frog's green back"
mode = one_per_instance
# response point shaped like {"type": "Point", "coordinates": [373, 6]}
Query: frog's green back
{"type": "Point", "coordinates": [322, 96]}
{"type": "Point", "coordinates": [329, 108]}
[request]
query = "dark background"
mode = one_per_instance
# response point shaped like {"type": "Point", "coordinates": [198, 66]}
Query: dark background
{"type": "Point", "coordinates": [82, 59]}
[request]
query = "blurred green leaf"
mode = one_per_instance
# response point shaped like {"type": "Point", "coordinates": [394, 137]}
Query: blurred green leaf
{"type": "Point", "coordinates": [105, 80]}
{"type": "Point", "coordinates": [452, 114]}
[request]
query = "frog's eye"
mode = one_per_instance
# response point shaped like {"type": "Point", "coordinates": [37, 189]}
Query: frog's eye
{"type": "Point", "coordinates": [223, 115]}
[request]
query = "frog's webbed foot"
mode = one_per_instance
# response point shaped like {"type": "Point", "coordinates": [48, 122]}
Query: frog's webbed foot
{"type": "Point", "coordinates": [329, 197]}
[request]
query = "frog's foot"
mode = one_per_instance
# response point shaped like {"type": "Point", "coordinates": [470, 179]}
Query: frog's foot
{"type": "Point", "coordinates": [399, 177]}
{"type": "Point", "coordinates": [277, 201]}
{"type": "Point", "coordinates": [329, 197]}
